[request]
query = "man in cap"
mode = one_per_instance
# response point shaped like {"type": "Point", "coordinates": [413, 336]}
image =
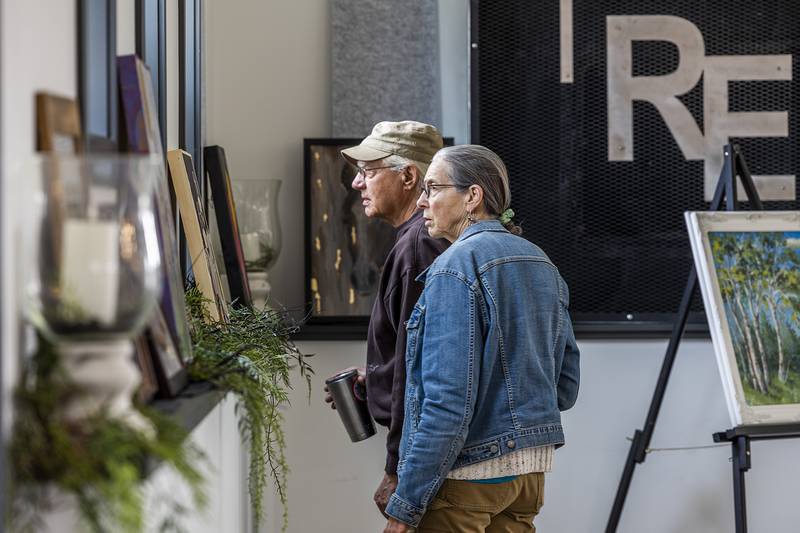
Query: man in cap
{"type": "Point", "coordinates": [391, 164]}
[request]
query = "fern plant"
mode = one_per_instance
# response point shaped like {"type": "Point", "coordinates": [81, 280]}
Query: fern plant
{"type": "Point", "coordinates": [251, 356]}
{"type": "Point", "coordinates": [100, 461]}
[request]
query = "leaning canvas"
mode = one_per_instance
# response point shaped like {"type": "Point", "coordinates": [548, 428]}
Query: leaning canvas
{"type": "Point", "coordinates": [748, 268]}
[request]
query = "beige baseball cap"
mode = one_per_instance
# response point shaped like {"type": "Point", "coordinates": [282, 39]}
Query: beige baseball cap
{"type": "Point", "coordinates": [413, 140]}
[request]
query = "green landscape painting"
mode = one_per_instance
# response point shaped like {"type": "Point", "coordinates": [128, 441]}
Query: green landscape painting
{"type": "Point", "coordinates": [759, 280]}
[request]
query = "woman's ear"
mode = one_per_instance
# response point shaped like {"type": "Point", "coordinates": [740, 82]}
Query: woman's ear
{"type": "Point", "coordinates": [474, 198]}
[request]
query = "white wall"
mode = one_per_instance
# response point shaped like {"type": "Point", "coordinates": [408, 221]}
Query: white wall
{"type": "Point", "coordinates": [267, 87]}
{"type": "Point", "coordinates": [44, 59]}
{"type": "Point", "coordinates": [225, 472]}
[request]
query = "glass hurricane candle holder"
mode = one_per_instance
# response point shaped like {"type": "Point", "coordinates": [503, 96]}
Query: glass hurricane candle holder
{"type": "Point", "coordinates": [259, 229]}
{"type": "Point", "coordinates": [93, 270]}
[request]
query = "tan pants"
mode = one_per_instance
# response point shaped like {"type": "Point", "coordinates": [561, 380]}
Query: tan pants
{"type": "Point", "coordinates": [467, 507]}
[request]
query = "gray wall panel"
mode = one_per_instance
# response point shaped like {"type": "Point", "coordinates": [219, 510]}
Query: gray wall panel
{"type": "Point", "coordinates": [385, 64]}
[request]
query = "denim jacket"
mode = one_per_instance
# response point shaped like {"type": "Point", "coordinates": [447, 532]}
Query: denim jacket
{"type": "Point", "coordinates": [491, 361]}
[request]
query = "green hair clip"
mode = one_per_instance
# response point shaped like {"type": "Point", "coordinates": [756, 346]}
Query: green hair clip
{"type": "Point", "coordinates": [506, 217]}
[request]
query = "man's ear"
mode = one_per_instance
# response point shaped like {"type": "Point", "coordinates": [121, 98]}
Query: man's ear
{"type": "Point", "coordinates": [411, 177]}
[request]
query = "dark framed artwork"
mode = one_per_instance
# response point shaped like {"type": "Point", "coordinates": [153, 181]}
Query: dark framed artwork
{"type": "Point", "coordinates": [151, 47]}
{"type": "Point", "coordinates": [204, 265]}
{"type": "Point", "coordinates": [227, 224]}
{"type": "Point", "coordinates": [97, 73]}
{"type": "Point", "coordinates": [344, 249]}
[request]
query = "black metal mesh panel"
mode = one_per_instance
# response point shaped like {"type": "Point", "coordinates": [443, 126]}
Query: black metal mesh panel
{"type": "Point", "coordinates": [615, 229]}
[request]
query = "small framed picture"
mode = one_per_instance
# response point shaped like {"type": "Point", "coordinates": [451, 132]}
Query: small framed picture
{"type": "Point", "coordinates": [190, 206]}
{"type": "Point", "coordinates": [170, 370]}
{"type": "Point", "coordinates": [58, 124]}
{"type": "Point", "coordinates": [748, 268]}
{"type": "Point", "coordinates": [216, 166]}
{"type": "Point", "coordinates": [141, 134]}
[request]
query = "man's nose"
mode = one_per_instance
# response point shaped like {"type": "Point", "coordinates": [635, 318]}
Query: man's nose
{"type": "Point", "coordinates": [358, 182]}
{"type": "Point", "coordinates": [422, 201]}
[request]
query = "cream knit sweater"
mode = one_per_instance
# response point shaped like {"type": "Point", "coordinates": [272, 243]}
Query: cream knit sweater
{"type": "Point", "coordinates": [516, 463]}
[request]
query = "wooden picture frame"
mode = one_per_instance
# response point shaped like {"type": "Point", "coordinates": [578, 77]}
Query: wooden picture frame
{"type": "Point", "coordinates": [747, 264]}
{"type": "Point", "coordinates": [190, 205]}
{"type": "Point", "coordinates": [227, 224]}
{"type": "Point", "coordinates": [58, 124]}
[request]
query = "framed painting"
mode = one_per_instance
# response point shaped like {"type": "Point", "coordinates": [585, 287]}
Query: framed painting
{"type": "Point", "coordinates": [227, 225]}
{"type": "Point", "coordinates": [345, 249]}
{"type": "Point", "coordinates": [58, 124]}
{"type": "Point", "coordinates": [190, 205]}
{"type": "Point", "coordinates": [141, 134]}
{"type": "Point", "coordinates": [748, 267]}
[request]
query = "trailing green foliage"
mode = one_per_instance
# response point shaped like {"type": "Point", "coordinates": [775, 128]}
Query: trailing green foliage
{"type": "Point", "coordinates": [100, 461]}
{"type": "Point", "coordinates": [252, 356]}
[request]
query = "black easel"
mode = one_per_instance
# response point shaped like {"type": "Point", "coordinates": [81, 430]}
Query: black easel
{"type": "Point", "coordinates": [740, 438]}
{"type": "Point", "coordinates": [734, 165]}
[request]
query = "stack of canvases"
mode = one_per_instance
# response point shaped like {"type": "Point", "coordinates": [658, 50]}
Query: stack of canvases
{"type": "Point", "coordinates": [165, 347]}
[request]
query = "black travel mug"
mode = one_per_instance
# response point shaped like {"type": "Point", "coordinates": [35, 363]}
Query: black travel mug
{"type": "Point", "coordinates": [353, 412]}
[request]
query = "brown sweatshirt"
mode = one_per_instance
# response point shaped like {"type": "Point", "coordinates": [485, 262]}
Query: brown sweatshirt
{"type": "Point", "coordinates": [413, 251]}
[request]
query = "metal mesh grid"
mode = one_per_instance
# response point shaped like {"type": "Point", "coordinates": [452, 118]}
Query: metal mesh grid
{"type": "Point", "coordinates": [615, 229]}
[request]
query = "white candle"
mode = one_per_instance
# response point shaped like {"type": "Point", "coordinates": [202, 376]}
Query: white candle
{"type": "Point", "coordinates": [90, 268]}
{"type": "Point", "coordinates": [251, 247]}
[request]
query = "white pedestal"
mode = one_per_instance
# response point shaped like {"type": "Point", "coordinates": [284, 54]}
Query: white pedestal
{"type": "Point", "coordinates": [106, 377]}
{"type": "Point", "coordinates": [259, 288]}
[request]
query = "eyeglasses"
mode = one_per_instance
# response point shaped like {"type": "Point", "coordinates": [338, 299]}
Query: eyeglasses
{"type": "Point", "coordinates": [363, 171]}
{"type": "Point", "coordinates": [428, 187]}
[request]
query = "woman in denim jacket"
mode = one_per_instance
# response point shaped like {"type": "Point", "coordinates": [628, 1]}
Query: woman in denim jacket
{"type": "Point", "coordinates": [491, 361]}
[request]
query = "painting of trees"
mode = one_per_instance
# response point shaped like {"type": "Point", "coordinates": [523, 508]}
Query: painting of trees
{"type": "Point", "coordinates": [759, 280]}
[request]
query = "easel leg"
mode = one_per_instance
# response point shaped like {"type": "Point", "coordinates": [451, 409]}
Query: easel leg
{"type": "Point", "coordinates": [740, 447]}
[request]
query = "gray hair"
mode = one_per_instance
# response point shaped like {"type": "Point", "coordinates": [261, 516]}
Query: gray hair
{"type": "Point", "coordinates": [399, 162]}
{"type": "Point", "coordinates": [472, 164]}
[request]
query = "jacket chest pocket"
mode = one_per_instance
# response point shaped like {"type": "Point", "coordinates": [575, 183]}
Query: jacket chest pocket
{"type": "Point", "coordinates": [414, 328]}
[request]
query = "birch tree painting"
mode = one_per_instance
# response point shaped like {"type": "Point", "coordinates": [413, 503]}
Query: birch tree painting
{"type": "Point", "coordinates": [759, 281]}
